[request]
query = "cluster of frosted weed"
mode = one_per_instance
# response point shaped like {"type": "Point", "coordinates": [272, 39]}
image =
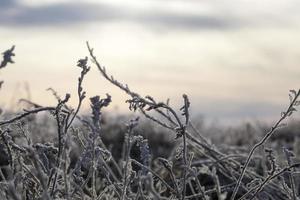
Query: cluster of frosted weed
{"type": "Point", "coordinates": [196, 169]}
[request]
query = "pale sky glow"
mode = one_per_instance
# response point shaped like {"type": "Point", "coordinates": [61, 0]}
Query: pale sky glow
{"type": "Point", "coordinates": [235, 59]}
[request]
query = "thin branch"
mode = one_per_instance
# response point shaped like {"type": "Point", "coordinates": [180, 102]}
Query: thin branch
{"type": "Point", "coordinates": [155, 174]}
{"type": "Point", "coordinates": [285, 114]}
{"type": "Point", "coordinates": [26, 113]}
{"type": "Point", "coordinates": [259, 187]}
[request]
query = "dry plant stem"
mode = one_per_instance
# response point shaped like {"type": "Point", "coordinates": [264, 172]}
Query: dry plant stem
{"type": "Point", "coordinates": [185, 167]}
{"type": "Point", "coordinates": [112, 159]}
{"type": "Point", "coordinates": [228, 162]}
{"type": "Point", "coordinates": [217, 183]}
{"type": "Point", "coordinates": [293, 185]}
{"type": "Point", "coordinates": [169, 167]}
{"type": "Point", "coordinates": [110, 79]}
{"type": "Point", "coordinates": [7, 147]}
{"type": "Point", "coordinates": [114, 162]}
{"type": "Point", "coordinates": [213, 162]}
{"type": "Point", "coordinates": [59, 131]}
{"type": "Point", "coordinates": [74, 115]}
{"type": "Point", "coordinates": [259, 187]}
{"type": "Point", "coordinates": [174, 182]}
{"type": "Point", "coordinates": [94, 194]}
{"type": "Point", "coordinates": [226, 172]}
{"type": "Point", "coordinates": [127, 158]}
{"type": "Point", "coordinates": [191, 187]}
{"type": "Point", "coordinates": [26, 113]}
{"type": "Point", "coordinates": [211, 151]}
{"type": "Point", "coordinates": [127, 90]}
{"type": "Point", "coordinates": [155, 174]}
{"type": "Point", "coordinates": [30, 172]}
{"type": "Point", "coordinates": [40, 176]}
{"type": "Point", "coordinates": [7, 57]}
{"type": "Point", "coordinates": [60, 125]}
{"type": "Point", "coordinates": [67, 121]}
{"type": "Point", "coordinates": [156, 120]}
{"type": "Point", "coordinates": [140, 188]}
{"type": "Point", "coordinates": [207, 192]}
{"type": "Point", "coordinates": [110, 171]}
{"type": "Point", "coordinates": [66, 182]}
{"type": "Point", "coordinates": [100, 195]}
{"type": "Point", "coordinates": [291, 178]}
{"type": "Point", "coordinates": [81, 96]}
{"type": "Point", "coordinates": [167, 116]}
{"type": "Point", "coordinates": [185, 109]}
{"type": "Point", "coordinates": [214, 155]}
{"type": "Point", "coordinates": [261, 142]}
{"type": "Point", "coordinates": [2, 175]}
{"type": "Point", "coordinates": [162, 105]}
{"type": "Point", "coordinates": [82, 186]}
{"type": "Point", "coordinates": [202, 192]}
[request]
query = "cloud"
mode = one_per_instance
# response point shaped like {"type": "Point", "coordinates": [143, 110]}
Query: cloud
{"type": "Point", "coordinates": [57, 14]}
{"type": "Point", "coordinates": [15, 15]}
{"type": "Point", "coordinates": [185, 21]}
{"type": "Point", "coordinates": [7, 3]}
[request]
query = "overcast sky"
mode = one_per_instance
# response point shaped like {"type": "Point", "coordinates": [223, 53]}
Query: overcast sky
{"type": "Point", "coordinates": [236, 59]}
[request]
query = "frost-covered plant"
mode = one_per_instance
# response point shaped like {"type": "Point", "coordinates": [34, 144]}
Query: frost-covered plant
{"type": "Point", "coordinates": [170, 120]}
{"type": "Point", "coordinates": [78, 164]}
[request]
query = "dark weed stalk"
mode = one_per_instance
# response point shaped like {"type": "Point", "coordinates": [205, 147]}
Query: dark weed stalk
{"type": "Point", "coordinates": [39, 173]}
{"type": "Point", "coordinates": [168, 165]}
{"type": "Point", "coordinates": [25, 114]}
{"type": "Point", "coordinates": [199, 186]}
{"type": "Point", "coordinates": [154, 173]}
{"type": "Point", "coordinates": [7, 57]}
{"type": "Point", "coordinates": [82, 63]}
{"type": "Point", "coordinates": [60, 121]}
{"type": "Point", "coordinates": [127, 169]}
{"type": "Point", "coordinates": [185, 112]}
{"type": "Point", "coordinates": [3, 135]}
{"type": "Point", "coordinates": [140, 194]}
{"type": "Point", "coordinates": [289, 154]}
{"type": "Point", "coordinates": [96, 105]}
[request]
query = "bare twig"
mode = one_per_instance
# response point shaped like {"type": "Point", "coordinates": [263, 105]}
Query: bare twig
{"type": "Point", "coordinates": [26, 113]}
{"type": "Point", "coordinates": [284, 115]}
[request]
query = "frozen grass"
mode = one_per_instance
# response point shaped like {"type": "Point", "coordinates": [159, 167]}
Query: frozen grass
{"type": "Point", "coordinates": [78, 162]}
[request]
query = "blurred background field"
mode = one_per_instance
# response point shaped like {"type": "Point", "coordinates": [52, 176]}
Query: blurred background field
{"type": "Point", "coordinates": [236, 59]}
